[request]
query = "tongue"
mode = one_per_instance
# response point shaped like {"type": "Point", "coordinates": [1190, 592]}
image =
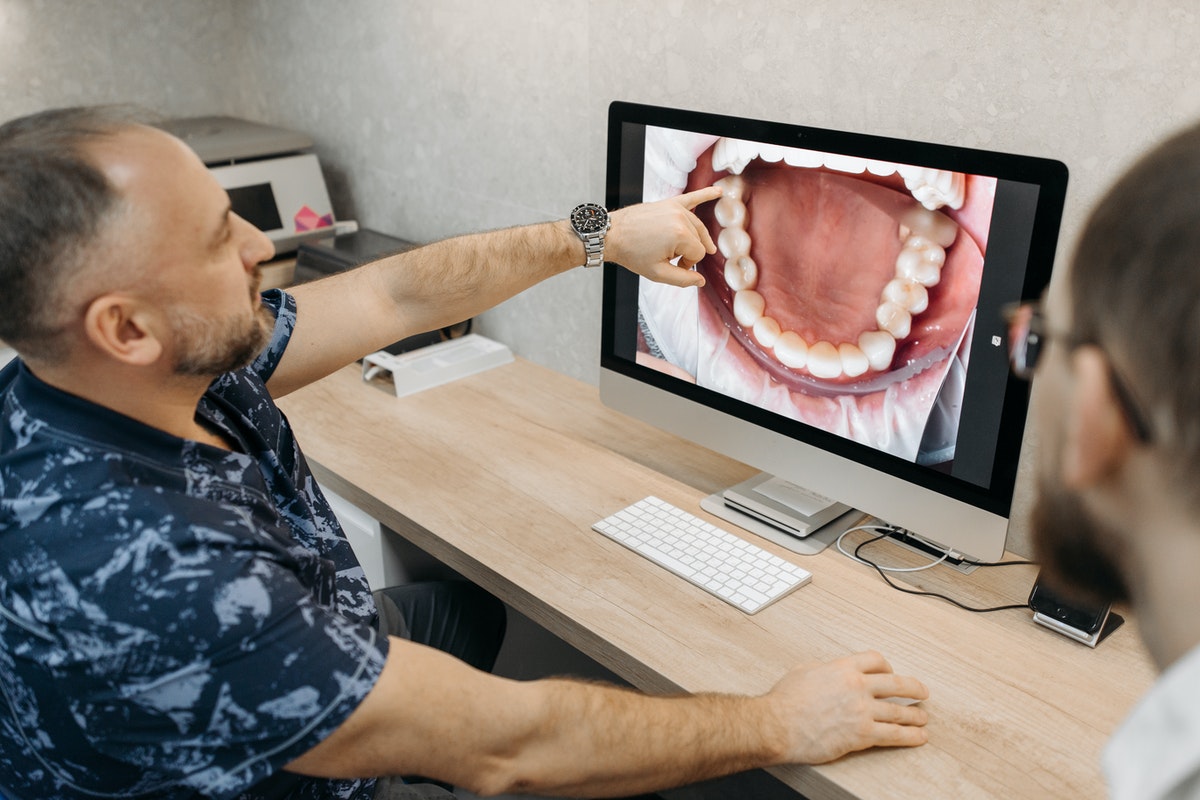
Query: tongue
{"type": "Point", "coordinates": [817, 280]}
{"type": "Point", "coordinates": [826, 244]}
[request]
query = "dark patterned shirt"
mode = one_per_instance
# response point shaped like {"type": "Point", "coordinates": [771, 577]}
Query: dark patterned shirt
{"type": "Point", "coordinates": [176, 620]}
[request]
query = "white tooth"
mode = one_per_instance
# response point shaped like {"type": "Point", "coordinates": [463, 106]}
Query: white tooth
{"type": "Point", "coordinates": [733, 242]}
{"type": "Point", "coordinates": [930, 250]}
{"type": "Point", "coordinates": [894, 319]}
{"type": "Point", "coordinates": [767, 331]}
{"type": "Point", "coordinates": [824, 361]}
{"type": "Point", "coordinates": [747, 151]}
{"type": "Point", "coordinates": [730, 213]}
{"type": "Point", "coordinates": [799, 157]}
{"type": "Point", "coordinates": [958, 193]}
{"type": "Point", "coordinates": [770, 153]}
{"type": "Point", "coordinates": [907, 294]}
{"type": "Point", "coordinates": [934, 255]}
{"type": "Point", "coordinates": [881, 168]}
{"type": "Point", "coordinates": [854, 361]}
{"type": "Point", "coordinates": [741, 273]}
{"type": "Point", "coordinates": [944, 231]}
{"type": "Point", "coordinates": [944, 181]}
{"type": "Point", "coordinates": [791, 350]}
{"type": "Point", "coordinates": [720, 155]}
{"type": "Point", "coordinates": [928, 197]}
{"type": "Point", "coordinates": [878, 347]}
{"type": "Point", "coordinates": [728, 156]}
{"type": "Point", "coordinates": [951, 185]}
{"type": "Point", "coordinates": [932, 224]}
{"type": "Point", "coordinates": [934, 188]}
{"type": "Point", "coordinates": [913, 265]}
{"type": "Point", "coordinates": [732, 186]}
{"type": "Point", "coordinates": [748, 307]}
{"type": "Point", "coordinates": [855, 166]}
{"type": "Point", "coordinates": [913, 176]}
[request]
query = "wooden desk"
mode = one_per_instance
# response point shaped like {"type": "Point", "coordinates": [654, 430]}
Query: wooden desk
{"type": "Point", "coordinates": [501, 475]}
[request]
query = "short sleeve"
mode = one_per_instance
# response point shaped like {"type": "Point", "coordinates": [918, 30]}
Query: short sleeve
{"type": "Point", "coordinates": [283, 306]}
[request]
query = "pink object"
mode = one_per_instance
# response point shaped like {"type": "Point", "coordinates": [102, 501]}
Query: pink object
{"type": "Point", "coordinates": [308, 220]}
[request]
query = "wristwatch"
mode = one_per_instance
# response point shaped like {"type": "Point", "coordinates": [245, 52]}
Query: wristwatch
{"type": "Point", "coordinates": [590, 222]}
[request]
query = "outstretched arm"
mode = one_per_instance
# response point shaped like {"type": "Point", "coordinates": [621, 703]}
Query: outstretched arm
{"type": "Point", "coordinates": [346, 316]}
{"type": "Point", "coordinates": [432, 715]}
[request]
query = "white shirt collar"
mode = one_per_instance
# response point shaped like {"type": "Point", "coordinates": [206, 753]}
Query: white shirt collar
{"type": "Point", "coordinates": [1156, 751]}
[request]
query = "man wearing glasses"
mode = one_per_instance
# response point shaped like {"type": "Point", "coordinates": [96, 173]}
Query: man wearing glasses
{"type": "Point", "coordinates": [1116, 346]}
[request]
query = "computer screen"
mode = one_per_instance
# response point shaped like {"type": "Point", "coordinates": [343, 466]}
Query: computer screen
{"type": "Point", "coordinates": [849, 337]}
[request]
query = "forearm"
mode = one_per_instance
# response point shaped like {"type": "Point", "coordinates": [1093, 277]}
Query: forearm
{"type": "Point", "coordinates": [455, 279]}
{"type": "Point", "coordinates": [430, 714]}
{"type": "Point", "coordinates": [592, 740]}
{"type": "Point", "coordinates": [452, 280]}
{"type": "Point", "coordinates": [344, 317]}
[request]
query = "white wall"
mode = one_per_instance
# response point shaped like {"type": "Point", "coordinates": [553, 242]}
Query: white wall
{"type": "Point", "coordinates": [173, 56]}
{"type": "Point", "coordinates": [436, 117]}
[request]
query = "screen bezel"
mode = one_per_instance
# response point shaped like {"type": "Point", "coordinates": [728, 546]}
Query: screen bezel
{"type": "Point", "coordinates": [1050, 176]}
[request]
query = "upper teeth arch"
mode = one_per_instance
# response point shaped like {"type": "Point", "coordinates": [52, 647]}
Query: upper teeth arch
{"type": "Point", "coordinates": [925, 234]}
{"type": "Point", "coordinates": [932, 188]}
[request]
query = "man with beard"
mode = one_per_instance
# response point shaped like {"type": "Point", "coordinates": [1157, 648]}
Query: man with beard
{"type": "Point", "coordinates": [180, 614]}
{"type": "Point", "coordinates": [1118, 407]}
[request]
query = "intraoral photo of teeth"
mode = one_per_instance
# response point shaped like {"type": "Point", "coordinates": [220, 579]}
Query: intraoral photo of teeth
{"type": "Point", "coordinates": [842, 293]}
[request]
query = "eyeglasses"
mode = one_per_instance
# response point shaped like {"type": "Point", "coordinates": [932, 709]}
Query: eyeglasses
{"type": "Point", "coordinates": [1028, 335]}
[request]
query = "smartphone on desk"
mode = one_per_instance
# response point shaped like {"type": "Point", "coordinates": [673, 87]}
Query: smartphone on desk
{"type": "Point", "coordinates": [1083, 622]}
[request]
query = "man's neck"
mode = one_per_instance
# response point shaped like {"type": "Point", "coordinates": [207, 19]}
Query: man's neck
{"type": "Point", "coordinates": [1166, 592]}
{"type": "Point", "coordinates": [165, 402]}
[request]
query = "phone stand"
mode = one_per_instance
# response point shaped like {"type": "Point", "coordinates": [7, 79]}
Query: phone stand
{"type": "Point", "coordinates": [1111, 623]}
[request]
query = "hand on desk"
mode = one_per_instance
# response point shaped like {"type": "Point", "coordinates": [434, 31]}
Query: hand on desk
{"type": "Point", "coordinates": [430, 714]}
{"type": "Point", "coordinates": [839, 707]}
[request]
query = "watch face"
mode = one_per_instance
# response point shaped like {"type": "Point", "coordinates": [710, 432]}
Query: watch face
{"type": "Point", "coordinates": [589, 218]}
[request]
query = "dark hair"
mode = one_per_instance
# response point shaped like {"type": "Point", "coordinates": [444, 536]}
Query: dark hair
{"type": "Point", "coordinates": [53, 202]}
{"type": "Point", "coordinates": [1135, 290]}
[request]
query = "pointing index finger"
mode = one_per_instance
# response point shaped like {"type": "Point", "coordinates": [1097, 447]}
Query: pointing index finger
{"type": "Point", "coordinates": [693, 199]}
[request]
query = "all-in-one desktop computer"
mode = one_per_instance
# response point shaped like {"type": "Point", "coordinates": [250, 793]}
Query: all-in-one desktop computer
{"type": "Point", "coordinates": [849, 338]}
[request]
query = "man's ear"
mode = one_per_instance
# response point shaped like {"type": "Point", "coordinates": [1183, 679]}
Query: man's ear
{"type": "Point", "coordinates": [124, 328]}
{"type": "Point", "coordinates": [1098, 438]}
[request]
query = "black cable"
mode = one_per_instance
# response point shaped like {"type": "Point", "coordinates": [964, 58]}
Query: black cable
{"type": "Point", "coordinates": [996, 563]}
{"type": "Point", "coordinates": [951, 600]}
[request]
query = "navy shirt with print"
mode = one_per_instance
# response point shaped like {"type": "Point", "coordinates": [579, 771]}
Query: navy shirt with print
{"type": "Point", "coordinates": [176, 620]}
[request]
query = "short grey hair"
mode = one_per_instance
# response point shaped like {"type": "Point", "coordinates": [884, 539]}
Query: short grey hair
{"type": "Point", "coordinates": [53, 205]}
{"type": "Point", "coordinates": [1135, 291]}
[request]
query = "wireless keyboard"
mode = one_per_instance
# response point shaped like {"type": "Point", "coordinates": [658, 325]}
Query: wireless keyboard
{"type": "Point", "coordinates": [726, 566]}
